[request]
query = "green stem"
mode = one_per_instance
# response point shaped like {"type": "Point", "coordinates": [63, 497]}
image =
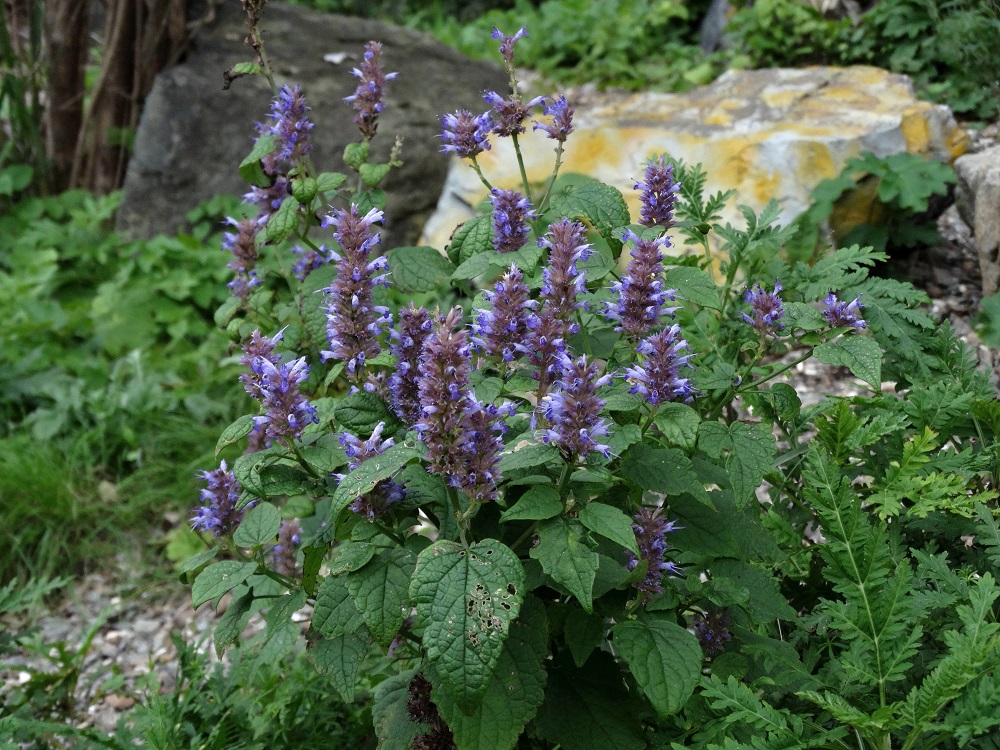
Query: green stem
{"type": "Point", "coordinates": [552, 179]}
{"type": "Point", "coordinates": [482, 178]}
{"type": "Point", "coordinates": [564, 484]}
{"type": "Point", "coordinates": [527, 533]}
{"type": "Point", "coordinates": [302, 461]}
{"type": "Point", "coordinates": [456, 509]}
{"type": "Point", "coordinates": [520, 166]}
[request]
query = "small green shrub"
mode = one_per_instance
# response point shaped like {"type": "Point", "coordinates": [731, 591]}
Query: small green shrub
{"type": "Point", "coordinates": [789, 33]}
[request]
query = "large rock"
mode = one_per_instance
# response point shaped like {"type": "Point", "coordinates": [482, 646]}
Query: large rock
{"type": "Point", "coordinates": [193, 135]}
{"type": "Point", "coordinates": [977, 195]}
{"type": "Point", "coordinates": [764, 133]}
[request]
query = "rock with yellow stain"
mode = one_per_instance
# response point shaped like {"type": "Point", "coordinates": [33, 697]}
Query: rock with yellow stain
{"type": "Point", "coordinates": [763, 133]}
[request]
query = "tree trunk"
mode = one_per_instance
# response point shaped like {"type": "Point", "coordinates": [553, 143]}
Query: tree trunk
{"type": "Point", "coordinates": [66, 41]}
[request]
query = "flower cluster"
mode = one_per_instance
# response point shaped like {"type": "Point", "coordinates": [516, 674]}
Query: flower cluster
{"type": "Point", "coordinates": [502, 329]}
{"type": "Point", "coordinates": [658, 195]}
{"type": "Point", "coordinates": [367, 98]}
{"type": "Point", "coordinates": [481, 445]}
{"type": "Point", "coordinates": [509, 113]}
{"type": "Point", "coordinates": [574, 411]}
{"type": "Point", "coordinates": [308, 260]}
{"type": "Point", "coordinates": [354, 322]}
{"type": "Point", "coordinates": [276, 386]}
{"type": "Point", "coordinates": [386, 493]}
{"type": "Point", "coordinates": [464, 135]}
{"type": "Point", "coordinates": [284, 553]}
{"type": "Point", "coordinates": [217, 514]}
{"type": "Point", "coordinates": [712, 630]}
{"type": "Point", "coordinates": [562, 283]}
{"type": "Point", "coordinates": [641, 296]}
{"type": "Point", "coordinates": [289, 125]}
{"type": "Point", "coordinates": [507, 43]}
{"type": "Point", "coordinates": [242, 245]}
{"type": "Point", "coordinates": [658, 380]}
{"type": "Point", "coordinates": [407, 342]}
{"type": "Point", "coordinates": [650, 529]}
{"type": "Point", "coordinates": [766, 310]}
{"type": "Point", "coordinates": [562, 120]}
{"type": "Point", "coordinates": [511, 214]}
{"type": "Point", "coordinates": [841, 314]}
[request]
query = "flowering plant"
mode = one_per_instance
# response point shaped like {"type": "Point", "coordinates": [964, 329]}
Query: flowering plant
{"type": "Point", "coordinates": [549, 486]}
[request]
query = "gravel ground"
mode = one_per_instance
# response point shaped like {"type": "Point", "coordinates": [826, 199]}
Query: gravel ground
{"type": "Point", "coordinates": [135, 638]}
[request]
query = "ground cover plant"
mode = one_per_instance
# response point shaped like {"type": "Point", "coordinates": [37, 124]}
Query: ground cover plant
{"type": "Point", "coordinates": [549, 488]}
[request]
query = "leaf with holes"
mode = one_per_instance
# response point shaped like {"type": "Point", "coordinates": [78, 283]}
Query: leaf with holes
{"type": "Point", "coordinates": [380, 592]}
{"type": "Point", "coordinates": [515, 690]}
{"type": "Point", "coordinates": [566, 555]}
{"type": "Point", "coordinates": [466, 599]}
{"type": "Point", "coordinates": [664, 658]}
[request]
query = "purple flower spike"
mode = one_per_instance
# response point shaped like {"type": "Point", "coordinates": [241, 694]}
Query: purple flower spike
{"type": "Point", "coordinates": [290, 124]}
{"type": "Point", "coordinates": [546, 350]}
{"type": "Point", "coordinates": [712, 630]}
{"type": "Point", "coordinates": [657, 379]}
{"type": "Point", "coordinates": [288, 411]}
{"type": "Point", "coordinates": [508, 114]}
{"type": "Point", "coordinates": [376, 503]}
{"type": "Point", "coordinates": [511, 214]}
{"type": "Point", "coordinates": [650, 529]}
{"type": "Point", "coordinates": [562, 283]}
{"type": "Point", "coordinates": [243, 246]}
{"type": "Point", "coordinates": [766, 310]}
{"type": "Point", "coordinates": [367, 98]}
{"type": "Point", "coordinates": [839, 314]}
{"type": "Point", "coordinates": [464, 135]}
{"type": "Point", "coordinates": [574, 411]}
{"type": "Point", "coordinates": [507, 42]}
{"type": "Point", "coordinates": [562, 120]}
{"type": "Point", "coordinates": [217, 514]}
{"type": "Point", "coordinates": [641, 296]}
{"type": "Point", "coordinates": [268, 199]}
{"type": "Point", "coordinates": [481, 445]}
{"type": "Point", "coordinates": [353, 321]}
{"type": "Point", "coordinates": [501, 331]}
{"type": "Point", "coordinates": [257, 350]}
{"type": "Point", "coordinates": [309, 260]}
{"type": "Point", "coordinates": [659, 193]}
{"type": "Point", "coordinates": [283, 554]}
{"type": "Point", "coordinates": [443, 386]}
{"type": "Point", "coordinates": [407, 343]}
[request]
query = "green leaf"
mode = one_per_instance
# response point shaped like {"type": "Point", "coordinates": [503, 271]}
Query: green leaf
{"type": "Point", "coordinates": [860, 354]}
{"type": "Point", "coordinates": [350, 556]}
{"type": "Point", "coordinates": [694, 285]}
{"type": "Point", "coordinates": [196, 561]}
{"type": "Point", "coordinates": [393, 726]}
{"type": "Point", "coordinates": [335, 612]}
{"type": "Point", "coordinates": [373, 174]}
{"type": "Point", "coordinates": [526, 258]}
{"type": "Point", "coordinates": [366, 200]}
{"type": "Point", "coordinates": [749, 451]}
{"type": "Point", "coordinates": [472, 238]}
{"type": "Point", "coordinates": [281, 479]}
{"type": "Point", "coordinates": [466, 599]}
{"type": "Point", "coordinates": [703, 529]}
{"type": "Point", "coordinates": [259, 526]}
{"type": "Point", "coordinates": [765, 602]}
{"type": "Point", "coordinates": [583, 632]}
{"type": "Point", "coordinates": [361, 412]}
{"type": "Point", "coordinates": [304, 189]}
{"type": "Point", "coordinates": [250, 168]}
{"type": "Point", "coordinates": [602, 205]}
{"type": "Point", "coordinates": [472, 268]}
{"type": "Point", "coordinates": [380, 592]}
{"type": "Point", "coordinates": [566, 555]}
{"type": "Point", "coordinates": [601, 260]}
{"type": "Point", "coordinates": [537, 504]}
{"type": "Point", "coordinates": [664, 658]}
{"type": "Point", "coordinates": [526, 454]}
{"type": "Point", "coordinates": [234, 433]}
{"type": "Point", "coordinates": [515, 690]}
{"type": "Point", "coordinates": [245, 69]}
{"type": "Point", "coordinates": [282, 223]}
{"type": "Point", "coordinates": [232, 622]}
{"type": "Point", "coordinates": [370, 473]}
{"type": "Point", "coordinates": [327, 181]}
{"type": "Point", "coordinates": [341, 658]}
{"type": "Point", "coordinates": [418, 269]}
{"type": "Point", "coordinates": [218, 579]}
{"type": "Point", "coordinates": [678, 423]}
{"type": "Point", "coordinates": [611, 523]}
{"type": "Point", "coordinates": [664, 470]}
{"type": "Point", "coordinates": [356, 154]}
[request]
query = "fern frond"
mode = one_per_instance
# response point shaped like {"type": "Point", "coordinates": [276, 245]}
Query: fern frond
{"type": "Point", "coordinates": [738, 703]}
{"type": "Point", "coordinates": [988, 533]}
{"type": "Point", "coordinates": [845, 268]}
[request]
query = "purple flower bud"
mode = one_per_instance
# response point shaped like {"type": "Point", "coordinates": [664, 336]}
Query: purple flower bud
{"type": "Point", "coordinates": [290, 125]}
{"type": "Point", "coordinates": [376, 503]}
{"type": "Point", "coordinates": [443, 387]}
{"type": "Point", "coordinates": [243, 246]}
{"type": "Point", "coordinates": [766, 310]}
{"type": "Point", "coordinates": [562, 120]}
{"type": "Point", "coordinates": [501, 331]}
{"type": "Point", "coordinates": [650, 529]}
{"type": "Point", "coordinates": [508, 114]}
{"type": "Point", "coordinates": [507, 42]}
{"type": "Point", "coordinates": [367, 98]}
{"type": "Point", "coordinates": [481, 445]}
{"type": "Point", "coordinates": [659, 192]}
{"type": "Point", "coordinates": [288, 411]}
{"type": "Point", "coordinates": [257, 350]}
{"type": "Point", "coordinates": [839, 314]}
{"type": "Point", "coordinates": [464, 135]}
{"type": "Point", "coordinates": [574, 411]}
{"type": "Point", "coordinates": [562, 283]}
{"type": "Point", "coordinates": [407, 343]}
{"type": "Point", "coordinates": [712, 630]}
{"type": "Point", "coordinates": [641, 296]}
{"type": "Point", "coordinates": [546, 349]}
{"type": "Point", "coordinates": [511, 214]}
{"type": "Point", "coordinates": [657, 379]}
{"type": "Point", "coordinates": [309, 260]}
{"type": "Point", "coordinates": [283, 554]}
{"type": "Point", "coordinates": [217, 514]}
{"type": "Point", "coordinates": [354, 322]}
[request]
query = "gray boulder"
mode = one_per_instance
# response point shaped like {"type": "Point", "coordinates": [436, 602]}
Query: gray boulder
{"type": "Point", "coordinates": [977, 196]}
{"type": "Point", "coordinates": [193, 135]}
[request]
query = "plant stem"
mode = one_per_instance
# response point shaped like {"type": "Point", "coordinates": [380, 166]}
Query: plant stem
{"type": "Point", "coordinates": [520, 165]}
{"type": "Point", "coordinates": [552, 179]}
{"type": "Point", "coordinates": [479, 171]}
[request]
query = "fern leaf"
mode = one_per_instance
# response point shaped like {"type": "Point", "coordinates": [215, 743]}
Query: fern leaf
{"type": "Point", "coordinates": [988, 533]}
{"type": "Point", "coordinates": [845, 268]}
